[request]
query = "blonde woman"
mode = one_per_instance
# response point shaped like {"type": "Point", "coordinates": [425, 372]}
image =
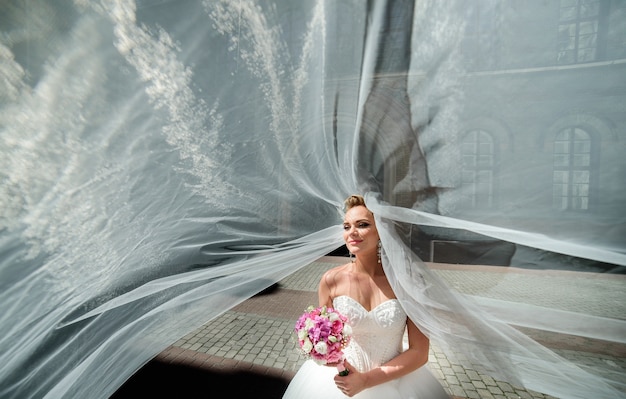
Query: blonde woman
{"type": "Point", "coordinates": [378, 365]}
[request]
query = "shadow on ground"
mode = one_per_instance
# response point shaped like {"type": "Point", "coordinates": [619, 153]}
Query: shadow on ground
{"type": "Point", "coordinates": [166, 380]}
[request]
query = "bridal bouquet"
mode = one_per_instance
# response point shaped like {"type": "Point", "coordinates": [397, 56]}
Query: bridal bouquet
{"type": "Point", "coordinates": [322, 334]}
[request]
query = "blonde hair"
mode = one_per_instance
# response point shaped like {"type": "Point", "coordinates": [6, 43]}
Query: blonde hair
{"type": "Point", "coordinates": [354, 200]}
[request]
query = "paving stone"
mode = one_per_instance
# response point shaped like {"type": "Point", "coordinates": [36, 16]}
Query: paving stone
{"type": "Point", "coordinates": [457, 369]}
{"type": "Point", "coordinates": [506, 387]}
{"type": "Point", "coordinates": [473, 375]}
{"type": "Point", "coordinates": [457, 390]}
{"type": "Point", "coordinates": [484, 394]}
{"type": "Point", "coordinates": [479, 384]}
{"type": "Point", "coordinates": [452, 379]}
{"type": "Point", "coordinates": [489, 381]}
{"type": "Point", "coordinates": [495, 390]}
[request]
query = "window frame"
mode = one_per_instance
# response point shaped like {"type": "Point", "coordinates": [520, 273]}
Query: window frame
{"type": "Point", "coordinates": [579, 22]}
{"type": "Point", "coordinates": [478, 168]}
{"type": "Point", "coordinates": [570, 198]}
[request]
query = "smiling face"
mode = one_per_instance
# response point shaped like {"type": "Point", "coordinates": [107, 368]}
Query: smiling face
{"type": "Point", "coordinates": [359, 231]}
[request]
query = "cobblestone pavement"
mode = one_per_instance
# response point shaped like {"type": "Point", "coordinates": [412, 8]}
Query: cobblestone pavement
{"type": "Point", "coordinates": [258, 332]}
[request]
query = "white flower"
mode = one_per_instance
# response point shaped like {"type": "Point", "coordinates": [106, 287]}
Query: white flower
{"type": "Point", "coordinates": [333, 317]}
{"type": "Point", "coordinates": [347, 330]}
{"type": "Point", "coordinates": [307, 345]}
{"type": "Point", "coordinates": [321, 348]}
{"type": "Point", "coordinates": [308, 324]}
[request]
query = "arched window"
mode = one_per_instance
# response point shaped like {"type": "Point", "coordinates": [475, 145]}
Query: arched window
{"type": "Point", "coordinates": [477, 153]}
{"type": "Point", "coordinates": [572, 169]}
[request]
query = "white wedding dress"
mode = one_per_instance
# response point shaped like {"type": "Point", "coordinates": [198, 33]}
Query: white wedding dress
{"type": "Point", "coordinates": [377, 338]}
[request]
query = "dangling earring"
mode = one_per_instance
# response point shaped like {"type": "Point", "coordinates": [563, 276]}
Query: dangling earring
{"type": "Point", "coordinates": [351, 257]}
{"type": "Point", "coordinates": [380, 249]}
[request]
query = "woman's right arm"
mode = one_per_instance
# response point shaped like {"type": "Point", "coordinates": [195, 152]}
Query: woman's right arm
{"type": "Point", "coordinates": [324, 289]}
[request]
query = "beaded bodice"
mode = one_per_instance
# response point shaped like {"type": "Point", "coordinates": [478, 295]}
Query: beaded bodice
{"type": "Point", "coordinates": [377, 334]}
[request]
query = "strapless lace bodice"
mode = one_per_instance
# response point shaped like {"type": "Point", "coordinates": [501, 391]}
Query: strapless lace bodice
{"type": "Point", "coordinates": [377, 334]}
{"type": "Point", "coordinates": [377, 338]}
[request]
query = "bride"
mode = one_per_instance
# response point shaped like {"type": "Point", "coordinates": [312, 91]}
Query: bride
{"type": "Point", "coordinates": [378, 363]}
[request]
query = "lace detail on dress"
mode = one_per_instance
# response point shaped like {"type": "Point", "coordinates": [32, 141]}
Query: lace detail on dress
{"type": "Point", "coordinates": [377, 334]}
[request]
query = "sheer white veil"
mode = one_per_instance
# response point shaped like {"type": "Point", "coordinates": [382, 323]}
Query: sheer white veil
{"type": "Point", "coordinates": [163, 161]}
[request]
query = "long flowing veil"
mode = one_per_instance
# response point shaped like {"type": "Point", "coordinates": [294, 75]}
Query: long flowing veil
{"type": "Point", "coordinates": [162, 161]}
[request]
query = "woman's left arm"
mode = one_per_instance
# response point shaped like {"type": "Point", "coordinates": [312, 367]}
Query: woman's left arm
{"type": "Point", "coordinates": [410, 360]}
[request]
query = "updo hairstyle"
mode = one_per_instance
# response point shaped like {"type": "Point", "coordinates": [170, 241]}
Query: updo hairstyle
{"type": "Point", "coordinates": [354, 200]}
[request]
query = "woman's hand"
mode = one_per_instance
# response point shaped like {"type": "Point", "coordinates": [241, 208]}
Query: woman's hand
{"type": "Point", "coordinates": [352, 383]}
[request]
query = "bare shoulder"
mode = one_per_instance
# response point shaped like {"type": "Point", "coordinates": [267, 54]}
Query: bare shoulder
{"type": "Point", "coordinates": [335, 271]}
{"type": "Point", "coordinates": [331, 280]}
{"type": "Point", "coordinates": [334, 276]}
